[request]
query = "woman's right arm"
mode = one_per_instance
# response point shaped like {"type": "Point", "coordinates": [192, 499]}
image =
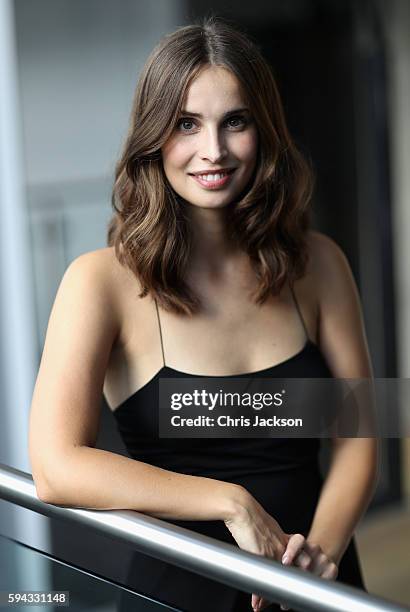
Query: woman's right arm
{"type": "Point", "coordinates": [65, 415]}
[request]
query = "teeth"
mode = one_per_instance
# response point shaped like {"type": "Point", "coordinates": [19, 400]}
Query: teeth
{"type": "Point", "coordinates": [212, 177]}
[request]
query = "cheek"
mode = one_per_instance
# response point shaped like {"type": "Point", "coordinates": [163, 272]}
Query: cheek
{"type": "Point", "coordinates": [176, 154]}
{"type": "Point", "coordinates": [246, 146]}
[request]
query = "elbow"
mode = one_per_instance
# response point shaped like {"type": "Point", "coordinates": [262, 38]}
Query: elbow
{"type": "Point", "coordinates": [54, 483]}
{"type": "Point", "coordinates": [49, 495]}
{"type": "Point", "coordinates": [44, 491]}
{"type": "Point", "coordinates": [49, 477]}
{"type": "Point", "coordinates": [44, 479]}
{"type": "Point", "coordinates": [41, 480]}
{"type": "Point", "coordinates": [56, 479]}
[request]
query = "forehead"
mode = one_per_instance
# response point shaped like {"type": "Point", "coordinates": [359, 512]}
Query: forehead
{"type": "Point", "coordinates": [214, 90]}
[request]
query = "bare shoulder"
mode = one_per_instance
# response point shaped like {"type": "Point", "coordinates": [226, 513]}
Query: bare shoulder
{"type": "Point", "coordinates": [309, 287]}
{"type": "Point", "coordinates": [90, 261]}
{"type": "Point", "coordinates": [104, 273]}
{"type": "Point", "coordinates": [326, 264]}
{"type": "Point", "coordinates": [328, 268]}
{"type": "Point", "coordinates": [326, 256]}
{"type": "Point", "coordinates": [118, 288]}
{"type": "Point", "coordinates": [101, 262]}
{"type": "Point", "coordinates": [341, 328]}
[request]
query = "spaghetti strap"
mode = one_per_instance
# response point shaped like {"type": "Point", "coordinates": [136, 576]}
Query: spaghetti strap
{"type": "Point", "coordinates": [160, 332]}
{"type": "Point", "coordinates": [299, 312]}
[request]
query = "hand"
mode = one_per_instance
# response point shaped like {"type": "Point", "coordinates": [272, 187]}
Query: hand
{"type": "Point", "coordinates": [302, 559]}
{"type": "Point", "coordinates": [257, 531]}
{"type": "Point", "coordinates": [315, 561]}
{"type": "Point", "coordinates": [306, 555]}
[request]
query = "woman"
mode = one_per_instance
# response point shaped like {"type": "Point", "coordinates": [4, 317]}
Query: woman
{"type": "Point", "coordinates": [211, 270]}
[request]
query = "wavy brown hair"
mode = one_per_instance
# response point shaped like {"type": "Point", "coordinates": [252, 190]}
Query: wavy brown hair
{"type": "Point", "coordinates": [150, 228]}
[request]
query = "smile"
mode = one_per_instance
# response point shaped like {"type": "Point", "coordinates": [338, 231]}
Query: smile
{"type": "Point", "coordinates": [213, 181]}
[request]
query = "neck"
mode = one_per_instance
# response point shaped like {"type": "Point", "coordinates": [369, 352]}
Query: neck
{"type": "Point", "coordinates": [215, 257]}
{"type": "Point", "coordinates": [211, 239]}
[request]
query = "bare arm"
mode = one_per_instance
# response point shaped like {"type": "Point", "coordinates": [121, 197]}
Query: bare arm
{"type": "Point", "coordinates": [352, 475]}
{"type": "Point", "coordinates": [350, 482]}
{"type": "Point", "coordinates": [99, 479]}
{"type": "Point", "coordinates": [353, 471]}
{"type": "Point", "coordinates": [345, 496]}
{"type": "Point", "coordinates": [65, 415]}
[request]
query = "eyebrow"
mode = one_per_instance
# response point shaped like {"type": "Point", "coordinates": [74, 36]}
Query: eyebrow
{"type": "Point", "coordinates": [231, 112]}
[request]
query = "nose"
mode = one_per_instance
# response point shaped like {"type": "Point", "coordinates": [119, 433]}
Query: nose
{"type": "Point", "coordinates": [213, 146]}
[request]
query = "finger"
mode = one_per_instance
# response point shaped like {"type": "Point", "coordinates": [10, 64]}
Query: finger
{"type": "Point", "coordinates": [303, 560]}
{"type": "Point", "coordinates": [313, 563]}
{"type": "Point", "coordinates": [331, 572]}
{"type": "Point", "coordinates": [264, 603]}
{"type": "Point", "coordinates": [293, 548]}
{"type": "Point", "coordinates": [259, 603]}
{"type": "Point", "coordinates": [322, 566]}
{"type": "Point", "coordinates": [318, 564]}
{"type": "Point", "coordinates": [318, 561]}
{"type": "Point", "coordinates": [255, 601]}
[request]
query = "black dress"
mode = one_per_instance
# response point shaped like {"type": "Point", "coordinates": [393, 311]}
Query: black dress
{"type": "Point", "coordinates": [282, 474]}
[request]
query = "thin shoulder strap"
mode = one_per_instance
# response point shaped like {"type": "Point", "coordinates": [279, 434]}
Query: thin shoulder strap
{"type": "Point", "coordinates": [299, 311]}
{"type": "Point", "coordinates": [160, 332]}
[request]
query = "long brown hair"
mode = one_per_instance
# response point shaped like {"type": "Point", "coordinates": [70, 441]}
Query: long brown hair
{"type": "Point", "coordinates": [150, 229]}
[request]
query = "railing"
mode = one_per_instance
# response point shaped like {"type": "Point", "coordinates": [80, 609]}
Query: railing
{"type": "Point", "coordinates": [200, 554]}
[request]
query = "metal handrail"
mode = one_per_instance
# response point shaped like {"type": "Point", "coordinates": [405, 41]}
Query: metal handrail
{"type": "Point", "coordinates": [201, 554]}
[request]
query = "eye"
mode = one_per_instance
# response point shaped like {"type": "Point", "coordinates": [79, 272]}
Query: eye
{"type": "Point", "coordinates": [185, 125]}
{"type": "Point", "coordinates": [236, 121]}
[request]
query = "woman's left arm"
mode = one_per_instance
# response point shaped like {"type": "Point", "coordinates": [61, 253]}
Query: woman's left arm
{"type": "Point", "coordinates": [353, 471]}
{"type": "Point", "coordinates": [345, 495]}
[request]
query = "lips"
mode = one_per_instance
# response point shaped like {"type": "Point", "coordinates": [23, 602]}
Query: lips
{"type": "Point", "coordinates": [213, 172]}
{"type": "Point", "coordinates": [213, 181]}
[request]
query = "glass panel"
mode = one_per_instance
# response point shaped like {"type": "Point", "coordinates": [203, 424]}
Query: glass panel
{"type": "Point", "coordinates": [26, 569]}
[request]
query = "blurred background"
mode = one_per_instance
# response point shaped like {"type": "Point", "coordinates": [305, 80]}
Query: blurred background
{"type": "Point", "coordinates": [68, 69]}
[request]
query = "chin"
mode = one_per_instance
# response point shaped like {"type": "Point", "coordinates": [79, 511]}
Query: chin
{"type": "Point", "coordinates": [208, 204]}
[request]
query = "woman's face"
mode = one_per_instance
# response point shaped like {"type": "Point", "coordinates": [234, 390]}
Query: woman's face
{"type": "Point", "coordinates": [211, 155]}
